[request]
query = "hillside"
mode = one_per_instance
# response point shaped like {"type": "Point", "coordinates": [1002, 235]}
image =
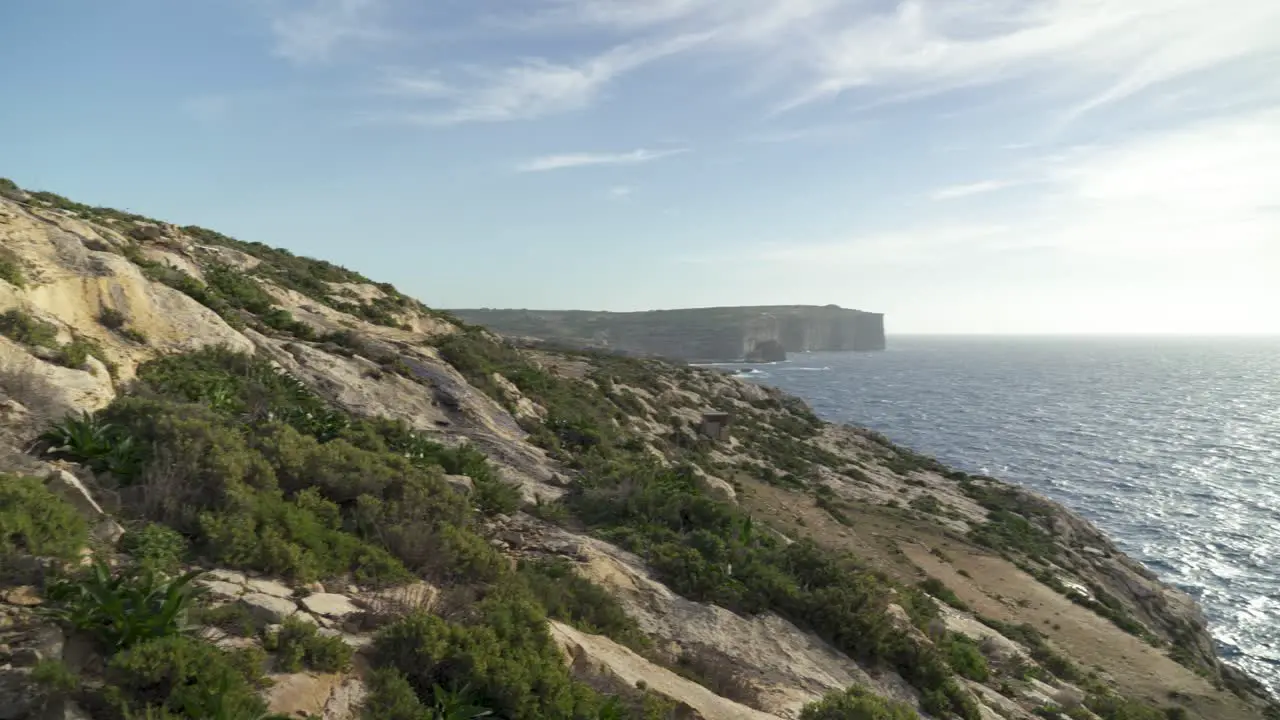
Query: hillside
{"type": "Point", "coordinates": [696, 334]}
{"type": "Point", "coordinates": [393, 514]}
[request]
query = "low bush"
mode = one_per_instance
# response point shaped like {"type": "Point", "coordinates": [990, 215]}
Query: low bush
{"type": "Point", "coordinates": [505, 655]}
{"type": "Point", "coordinates": [11, 269]}
{"type": "Point", "coordinates": [23, 328]}
{"type": "Point", "coordinates": [298, 644]}
{"type": "Point", "coordinates": [111, 318]}
{"type": "Point", "coordinates": [965, 658]}
{"type": "Point", "coordinates": [35, 521]}
{"type": "Point", "coordinates": [155, 546]}
{"type": "Point", "coordinates": [937, 589]}
{"type": "Point", "coordinates": [124, 608]}
{"type": "Point", "coordinates": [856, 703]}
{"type": "Point", "coordinates": [183, 677]}
{"type": "Point", "coordinates": [568, 596]}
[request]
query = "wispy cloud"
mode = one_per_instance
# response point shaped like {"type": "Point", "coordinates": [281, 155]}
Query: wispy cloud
{"type": "Point", "coordinates": [621, 191]}
{"type": "Point", "coordinates": [577, 160]}
{"type": "Point", "coordinates": [1198, 196]}
{"type": "Point", "coordinates": [309, 31]}
{"type": "Point", "coordinates": [1095, 52]}
{"type": "Point", "coordinates": [528, 89]}
{"type": "Point", "coordinates": [953, 192]}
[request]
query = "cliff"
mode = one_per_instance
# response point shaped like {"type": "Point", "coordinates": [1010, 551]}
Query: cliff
{"type": "Point", "coordinates": [391, 514]}
{"type": "Point", "coordinates": [695, 334]}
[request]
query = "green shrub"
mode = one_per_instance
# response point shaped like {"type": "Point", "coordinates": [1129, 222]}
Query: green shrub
{"type": "Point", "coordinates": [11, 269]}
{"type": "Point", "coordinates": [391, 697]}
{"type": "Point", "coordinates": [54, 677]}
{"type": "Point", "coordinates": [35, 521]}
{"type": "Point", "coordinates": [507, 658]}
{"type": "Point", "coordinates": [298, 644]}
{"type": "Point", "coordinates": [122, 609]}
{"type": "Point", "coordinates": [185, 677]}
{"type": "Point", "coordinates": [965, 658]}
{"type": "Point", "coordinates": [1006, 530]}
{"type": "Point", "coordinates": [155, 546]}
{"type": "Point", "coordinates": [856, 703]}
{"type": "Point", "coordinates": [111, 318]}
{"type": "Point", "coordinates": [936, 588]}
{"type": "Point", "coordinates": [21, 327]}
{"type": "Point", "coordinates": [568, 596]}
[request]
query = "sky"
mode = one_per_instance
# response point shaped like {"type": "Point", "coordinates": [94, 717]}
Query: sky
{"type": "Point", "coordinates": [985, 166]}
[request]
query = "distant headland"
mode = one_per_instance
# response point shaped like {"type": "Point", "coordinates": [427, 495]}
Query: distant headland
{"type": "Point", "coordinates": [763, 333]}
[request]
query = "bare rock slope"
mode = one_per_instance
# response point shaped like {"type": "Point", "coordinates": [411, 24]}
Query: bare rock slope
{"type": "Point", "coordinates": [336, 456]}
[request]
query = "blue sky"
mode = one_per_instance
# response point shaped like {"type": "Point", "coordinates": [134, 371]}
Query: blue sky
{"type": "Point", "coordinates": [977, 166]}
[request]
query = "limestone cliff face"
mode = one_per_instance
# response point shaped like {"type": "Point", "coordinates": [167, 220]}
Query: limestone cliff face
{"type": "Point", "coordinates": [1033, 586]}
{"type": "Point", "coordinates": [696, 334]}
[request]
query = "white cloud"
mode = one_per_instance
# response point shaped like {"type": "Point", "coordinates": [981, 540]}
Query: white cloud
{"type": "Point", "coordinates": [528, 89]}
{"type": "Point", "coordinates": [1095, 52]}
{"type": "Point", "coordinates": [1195, 197]}
{"type": "Point", "coordinates": [576, 160]}
{"type": "Point", "coordinates": [953, 192]}
{"type": "Point", "coordinates": [621, 191]}
{"type": "Point", "coordinates": [308, 31]}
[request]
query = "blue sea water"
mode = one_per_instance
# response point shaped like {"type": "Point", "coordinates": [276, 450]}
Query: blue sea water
{"type": "Point", "coordinates": [1170, 445]}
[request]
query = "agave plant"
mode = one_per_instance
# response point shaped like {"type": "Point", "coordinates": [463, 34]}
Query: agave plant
{"type": "Point", "coordinates": [125, 608]}
{"type": "Point", "coordinates": [79, 437]}
{"type": "Point", "coordinates": [101, 446]}
{"type": "Point", "coordinates": [455, 705]}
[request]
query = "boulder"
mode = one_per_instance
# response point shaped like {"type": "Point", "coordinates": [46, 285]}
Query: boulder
{"type": "Point", "coordinates": [268, 609]}
{"type": "Point", "coordinates": [461, 483]}
{"type": "Point", "coordinates": [222, 590]}
{"type": "Point", "coordinates": [329, 605]}
{"type": "Point", "coordinates": [269, 587]}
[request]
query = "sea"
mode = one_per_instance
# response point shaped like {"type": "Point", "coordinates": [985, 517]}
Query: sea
{"type": "Point", "coordinates": [1170, 445]}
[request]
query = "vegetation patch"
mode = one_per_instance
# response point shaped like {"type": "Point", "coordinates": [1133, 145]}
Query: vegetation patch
{"type": "Point", "coordinates": [23, 328]}
{"type": "Point", "coordinates": [298, 644]}
{"type": "Point", "coordinates": [122, 609]}
{"type": "Point", "coordinates": [11, 269]}
{"type": "Point", "coordinates": [856, 703]}
{"type": "Point", "coordinates": [568, 596]}
{"type": "Point", "coordinates": [182, 677]}
{"type": "Point", "coordinates": [35, 521]}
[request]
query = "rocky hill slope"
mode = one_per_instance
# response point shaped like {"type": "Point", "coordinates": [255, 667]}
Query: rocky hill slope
{"type": "Point", "coordinates": [696, 334]}
{"type": "Point", "coordinates": [235, 482]}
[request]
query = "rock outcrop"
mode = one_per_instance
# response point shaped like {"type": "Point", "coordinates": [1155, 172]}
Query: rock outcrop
{"type": "Point", "coordinates": [88, 297]}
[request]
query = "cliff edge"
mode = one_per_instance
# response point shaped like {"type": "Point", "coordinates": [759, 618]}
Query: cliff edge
{"type": "Point", "coordinates": [695, 334]}
{"type": "Point", "coordinates": [236, 483]}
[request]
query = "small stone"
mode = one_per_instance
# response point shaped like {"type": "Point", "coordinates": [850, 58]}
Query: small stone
{"type": "Point", "coordinates": [26, 657]}
{"type": "Point", "coordinates": [513, 538]}
{"type": "Point", "coordinates": [49, 640]}
{"type": "Point", "coordinates": [23, 596]}
{"type": "Point", "coordinates": [270, 587]}
{"type": "Point", "coordinates": [330, 605]}
{"type": "Point", "coordinates": [268, 608]}
{"type": "Point", "coordinates": [315, 587]}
